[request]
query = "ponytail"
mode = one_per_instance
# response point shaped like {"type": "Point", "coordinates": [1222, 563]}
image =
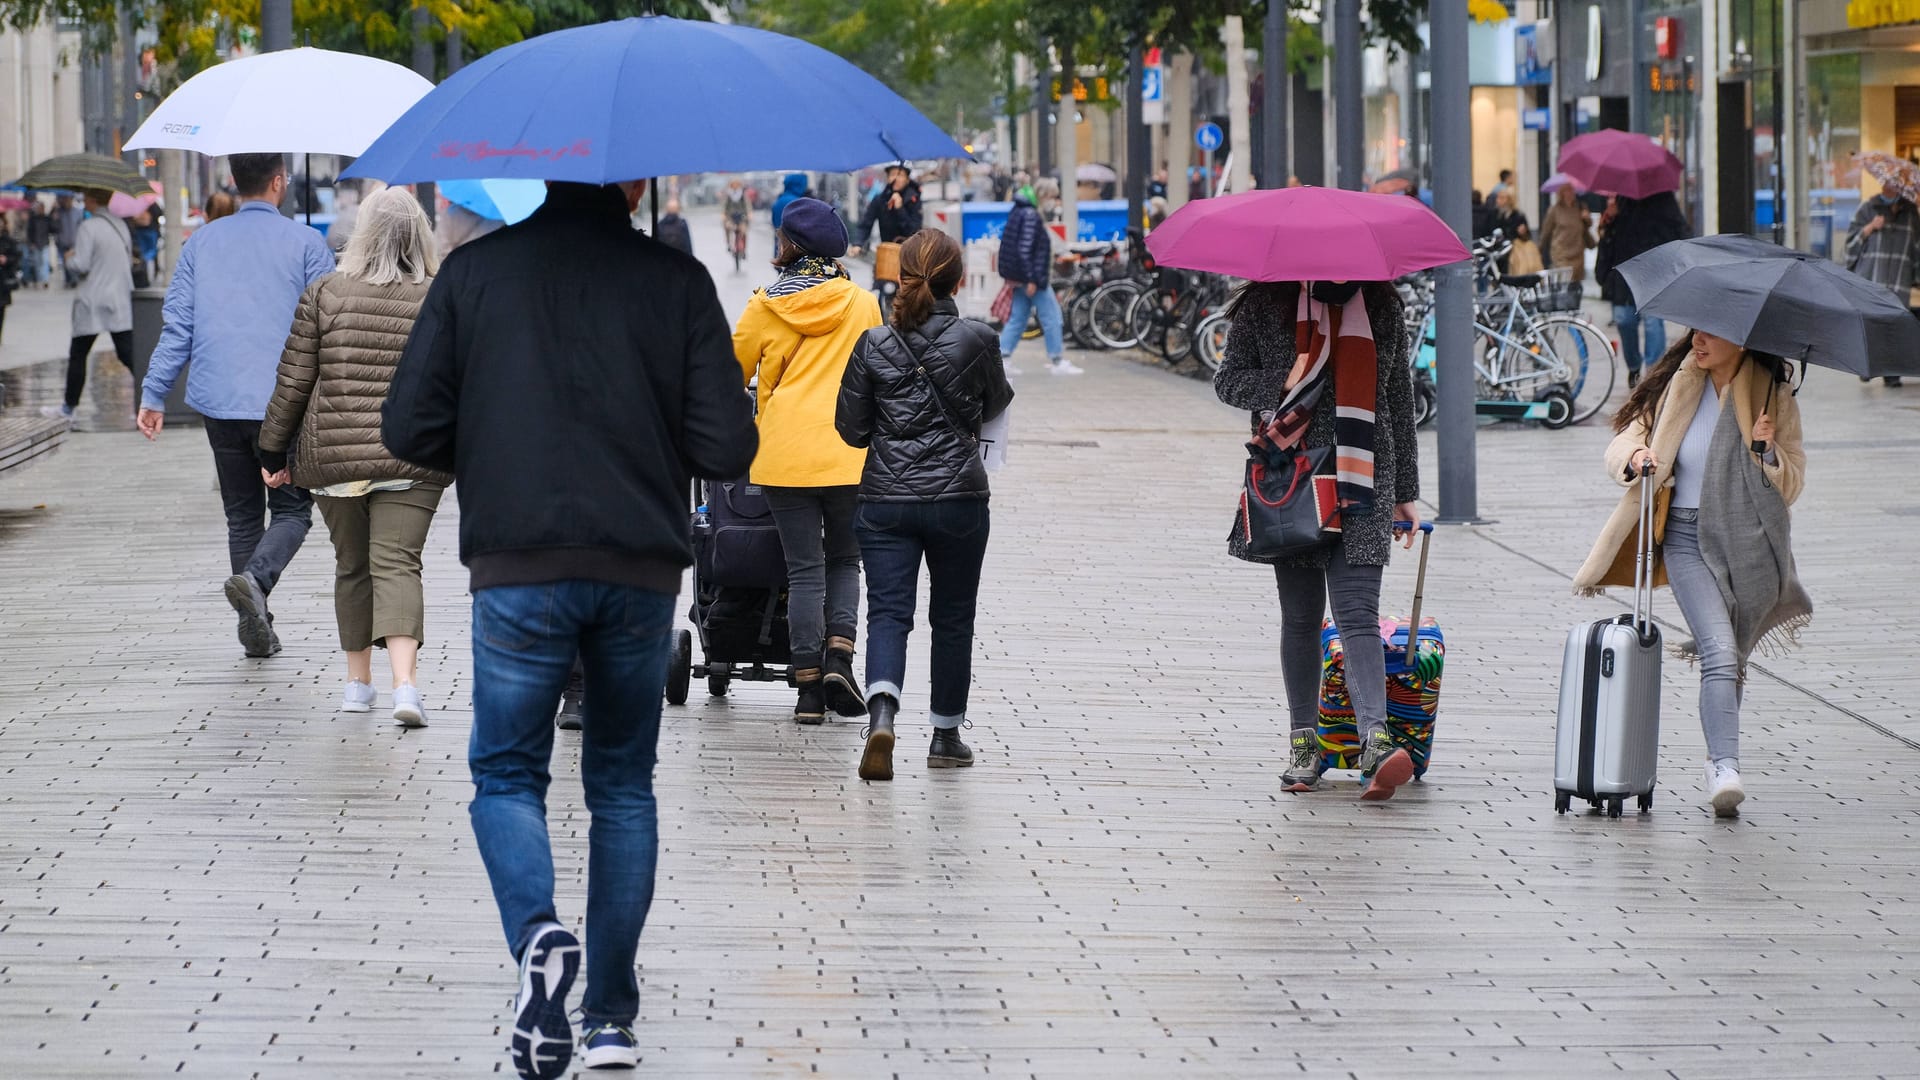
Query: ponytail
{"type": "Point", "coordinates": [931, 265]}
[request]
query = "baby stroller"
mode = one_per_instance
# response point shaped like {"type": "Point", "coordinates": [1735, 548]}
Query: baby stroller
{"type": "Point", "coordinates": [739, 594]}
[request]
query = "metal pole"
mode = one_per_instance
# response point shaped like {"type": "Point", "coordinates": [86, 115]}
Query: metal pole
{"type": "Point", "coordinates": [423, 63]}
{"type": "Point", "coordinates": [1453, 294]}
{"type": "Point", "coordinates": [1349, 108]}
{"type": "Point", "coordinates": [276, 25]}
{"type": "Point", "coordinates": [1137, 149]}
{"type": "Point", "coordinates": [456, 50]}
{"type": "Point", "coordinates": [1043, 134]}
{"type": "Point", "coordinates": [130, 85]}
{"type": "Point", "coordinates": [1278, 159]}
{"type": "Point", "coordinates": [1637, 57]}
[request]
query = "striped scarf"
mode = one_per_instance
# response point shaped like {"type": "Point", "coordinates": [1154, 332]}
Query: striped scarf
{"type": "Point", "coordinates": [1333, 343]}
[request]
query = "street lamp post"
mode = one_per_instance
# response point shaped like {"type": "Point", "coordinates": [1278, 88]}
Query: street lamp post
{"type": "Point", "coordinates": [1138, 152]}
{"type": "Point", "coordinates": [1453, 292]}
{"type": "Point", "coordinates": [276, 25]}
{"type": "Point", "coordinates": [1349, 107]}
{"type": "Point", "coordinates": [1275, 74]}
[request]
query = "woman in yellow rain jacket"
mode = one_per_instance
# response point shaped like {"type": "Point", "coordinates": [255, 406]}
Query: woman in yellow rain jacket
{"type": "Point", "coordinates": [796, 336]}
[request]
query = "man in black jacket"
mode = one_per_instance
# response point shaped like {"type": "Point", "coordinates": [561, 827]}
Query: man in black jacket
{"type": "Point", "coordinates": [573, 375]}
{"type": "Point", "coordinates": [895, 208]}
{"type": "Point", "coordinates": [1633, 227]}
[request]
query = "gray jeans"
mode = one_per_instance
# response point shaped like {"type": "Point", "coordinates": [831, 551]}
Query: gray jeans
{"type": "Point", "coordinates": [1355, 593]}
{"type": "Point", "coordinates": [823, 566]}
{"type": "Point", "coordinates": [1705, 610]}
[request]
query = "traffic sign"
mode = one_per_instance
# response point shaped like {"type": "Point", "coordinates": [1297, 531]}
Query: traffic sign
{"type": "Point", "coordinates": [1152, 86]}
{"type": "Point", "coordinates": [1209, 137]}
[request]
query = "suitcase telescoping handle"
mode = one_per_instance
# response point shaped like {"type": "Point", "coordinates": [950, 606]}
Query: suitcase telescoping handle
{"type": "Point", "coordinates": [1419, 587]}
{"type": "Point", "coordinates": [1643, 558]}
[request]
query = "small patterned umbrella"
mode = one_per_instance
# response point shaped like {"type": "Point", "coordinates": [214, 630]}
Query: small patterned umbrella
{"type": "Point", "coordinates": [1886, 168]}
{"type": "Point", "coordinates": [78, 172]}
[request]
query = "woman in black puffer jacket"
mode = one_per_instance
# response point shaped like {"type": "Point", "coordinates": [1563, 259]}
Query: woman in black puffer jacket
{"type": "Point", "coordinates": [914, 396]}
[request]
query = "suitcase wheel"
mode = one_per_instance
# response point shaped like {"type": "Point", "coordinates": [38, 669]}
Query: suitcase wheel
{"type": "Point", "coordinates": [1561, 801]}
{"type": "Point", "coordinates": [1646, 802]}
{"type": "Point", "coordinates": [1615, 806]}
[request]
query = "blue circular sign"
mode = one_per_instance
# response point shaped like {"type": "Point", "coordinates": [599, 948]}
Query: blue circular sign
{"type": "Point", "coordinates": [1209, 137]}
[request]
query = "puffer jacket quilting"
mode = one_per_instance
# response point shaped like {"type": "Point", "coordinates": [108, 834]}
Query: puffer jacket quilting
{"type": "Point", "coordinates": [334, 374]}
{"type": "Point", "coordinates": [886, 406]}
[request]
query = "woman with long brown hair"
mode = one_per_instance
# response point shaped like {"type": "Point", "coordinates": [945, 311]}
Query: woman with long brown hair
{"type": "Point", "coordinates": [915, 395]}
{"type": "Point", "coordinates": [1720, 520]}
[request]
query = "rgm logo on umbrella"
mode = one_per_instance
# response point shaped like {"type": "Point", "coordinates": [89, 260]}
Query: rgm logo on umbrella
{"type": "Point", "coordinates": [180, 129]}
{"type": "Point", "coordinates": [485, 151]}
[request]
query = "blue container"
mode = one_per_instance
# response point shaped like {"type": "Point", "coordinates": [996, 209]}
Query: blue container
{"type": "Point", "coordinates": [1102, 220]}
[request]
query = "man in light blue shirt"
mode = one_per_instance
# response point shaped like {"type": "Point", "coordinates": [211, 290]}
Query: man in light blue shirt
{"type": "Point", "coordinates": [228, 311]}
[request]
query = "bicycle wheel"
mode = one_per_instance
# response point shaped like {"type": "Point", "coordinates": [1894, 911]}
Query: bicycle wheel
{"type": "Point", "coordinates": [1110, 316]}
{"type": "Point", "coordinates": [1146, 319]}
{"type": "Point", "coordinates": [1080, 321]}
{"type": "Point", "coordinates": [1178, 326]}
{"type": "Point", "coordinates": [1210, 339]}
{"type": "Point", "coordinates": [1586, 354]}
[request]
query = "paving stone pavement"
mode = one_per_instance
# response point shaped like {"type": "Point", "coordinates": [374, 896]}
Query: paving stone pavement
{"type": "Point", "coordinates": [209, 873]}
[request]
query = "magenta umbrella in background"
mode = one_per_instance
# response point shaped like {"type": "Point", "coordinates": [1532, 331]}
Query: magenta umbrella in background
{"type": "Point", "coordinates": [126, 206]}
{"type": "Point", "coordinates": [1620, 163]}
{"type": "Point", "coordinates": [1306, 234]}
{"type": "Point", "coordinates": [8, 204]}
{"type": "Point", "coordinates": [1559, 180]}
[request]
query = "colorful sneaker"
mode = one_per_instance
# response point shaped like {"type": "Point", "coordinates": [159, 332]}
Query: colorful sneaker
{"type": "Point", "coordinates": [1303, 768]}
{"type": "Point", "coordinates": [358, 698]}
{"type": "Point", "coordinates": [1724, 790]}
{"type": "Point", "coordinates": [1385, 765]}
{"type": "Point", "coordinates": [408, 711]}
{"type": "Point", "coordinates": [542, 1035]}
{"type": "Point", "coordinates": [609, 1046]}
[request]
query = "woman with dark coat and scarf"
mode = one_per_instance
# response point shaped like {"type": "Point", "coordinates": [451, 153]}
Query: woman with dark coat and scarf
{"type": "Point", "coordinates": [1328, 368]}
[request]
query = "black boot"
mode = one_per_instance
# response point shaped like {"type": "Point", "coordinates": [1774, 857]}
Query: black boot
{"type": "Point", "coordinates": [811, 708]}
{"type": "Point", "coordinates": [947, 751]}
{"type": "Point", "coordinates": [842, 690]}
{"type": "Point", "coordinates": [571, 713]}
{"type": "Point", "coordinates": [876, 761]}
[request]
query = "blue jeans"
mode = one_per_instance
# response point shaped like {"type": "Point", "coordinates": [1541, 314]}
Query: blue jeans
{"type": "Point", "coordinates": [1048, 305]}
{"type": "Point", "coordinates": [524, 641]}
{"type": "Point", "coordinates": [33, 269]}
{"type": "Point", "coordinates": [951, 535]}
{"type": "Point", "coordinates": [1626, 319]}
{"type": "Point", "coordinates": [1705, 610]}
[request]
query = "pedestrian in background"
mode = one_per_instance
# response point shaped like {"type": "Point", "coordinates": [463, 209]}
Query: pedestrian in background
{"type": "Point", "coordinates": [793, 187]}
{"type": "Point", "coordinates": [39, 236]}
{"type": "Point", "coordinates": [1631, 227]}
{"type": "Point", "coordinates": [347, 336]}
{"type": "Point", "coordinates": [9, 272]}
{"type": "Point", "coordinates": [228, 307]}
{"type": "Point", "coordinates": [1724, 542]}
{"type": "Point", "coordinates": [1356, 367]}
{"type": "Point", "coordinates": [102, 260]}
{"type": "Point", "coordinates": [914, 397]}
{"type": "Point", "coordinates": [219, 205]}
{"type": "Point", "coordinates": [573, 526]}
{"type": "Point", "coordinates": [1566, 232]}
{"type": "Point", "coordinates": [1026, 265]}
{"type": "Point", "coordinates": [673, 230]}
{"type": "Point", "coordinates": [66, 233]}
{"type": "Point", "coordinates": [1883, 243]}
{"type": "Point", "coordinates": [795, 338]}
{"type": "Point", "coordinates": [894, 209]}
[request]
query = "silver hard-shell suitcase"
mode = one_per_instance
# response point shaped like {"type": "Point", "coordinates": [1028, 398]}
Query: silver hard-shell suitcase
{"type": "Point", "coordinates": [1608, 743]}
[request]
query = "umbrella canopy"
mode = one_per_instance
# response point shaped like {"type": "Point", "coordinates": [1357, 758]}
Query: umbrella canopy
{"type": "Point", "coordinates": [1888, 169]}
{"type": "Point", "coordinates": [301, 101]}
{"type": "Point", "coordinates": [1096, 172]}
{"type": "Point", "coordinates": [1777, 300]}
{"type": "Point", "coordinates": [511, 201]}
{"type": "Point", "coordinates": [1397, 182]}
{"type": "Point", "coordinates": [77, 172]}
{"type": "Point", "coordinates": [1620, 163]}
{"type": "Point", "coordinates": [647, 97]}
{"type": "Point", "coordinates": [1306, 234]}
{"type": "Point", "coordinates": [1559, 180]}
{"type": "Point", "coordinates": [126, 206]}
{"type": "Point", "coordinates": [9, 203]}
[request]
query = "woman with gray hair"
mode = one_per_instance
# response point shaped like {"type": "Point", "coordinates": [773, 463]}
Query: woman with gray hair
{"type": "Point", "coordinates": [322, 432]}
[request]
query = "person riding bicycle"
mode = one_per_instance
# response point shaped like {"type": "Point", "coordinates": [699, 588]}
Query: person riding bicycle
{"type": "Point", "coordinates": [735, 208]}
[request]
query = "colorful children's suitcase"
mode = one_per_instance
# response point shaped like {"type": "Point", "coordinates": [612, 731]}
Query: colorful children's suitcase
{"type": "Point", "coordinates": [1413, 689]}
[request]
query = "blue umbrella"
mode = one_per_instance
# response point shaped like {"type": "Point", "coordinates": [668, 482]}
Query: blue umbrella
{"type": "Point", "coordinates": [511, 201]}
{"type": "Point", "coordinates": [650, 97]}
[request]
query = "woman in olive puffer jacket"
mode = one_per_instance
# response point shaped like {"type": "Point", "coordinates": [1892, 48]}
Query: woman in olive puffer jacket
{"type": "Point", "coordinates": [322, 433]}
{"type": "Point", "coordinates": [914, 395]}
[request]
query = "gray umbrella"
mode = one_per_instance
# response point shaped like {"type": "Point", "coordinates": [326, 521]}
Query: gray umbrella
{"type": "Point", "coordinates": [1777, 300]}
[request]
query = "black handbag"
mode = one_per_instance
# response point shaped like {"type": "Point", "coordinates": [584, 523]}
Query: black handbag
{"type": "Point", "coordinates": [1287, 505]}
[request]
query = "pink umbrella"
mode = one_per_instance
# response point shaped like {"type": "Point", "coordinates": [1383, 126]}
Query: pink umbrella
{"type": "Point", "coordinates": [1620, 163]}
{"type": "Point", "coordinates": [126, 206]}
{"type": "Point", "coordinates": [9, 203]}
{"type": "Point", "coordinates": [1559, 180]}
{"type": "Point", "coordinates": [1306, 234]}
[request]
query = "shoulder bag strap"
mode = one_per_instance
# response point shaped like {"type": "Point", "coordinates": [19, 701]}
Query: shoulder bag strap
{"type": "Point", "coordinates": [933, 386]}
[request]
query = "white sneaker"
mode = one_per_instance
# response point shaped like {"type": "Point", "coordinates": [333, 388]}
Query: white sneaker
{"type": "Point", "coordinates": [1064, 366]}
{"type": "Point", "coordinates": [56, 412]}
{"type": "Point", "coordinates": [407, 710]}
{"type": "Point", "coordinates": [1724, 790]}
{"type": "Point", "coordinates": [1012, 370]}
{"type": "Point", "coordinates": [358, 698]}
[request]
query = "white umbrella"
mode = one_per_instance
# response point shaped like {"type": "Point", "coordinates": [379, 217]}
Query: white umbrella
{"type": "Point", "coordinates": [1096, 173]}
{"type": "Point", "coordinates": [302, 101]}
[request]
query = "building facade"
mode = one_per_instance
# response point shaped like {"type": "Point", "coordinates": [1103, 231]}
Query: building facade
{"type": "Point", "coordinates": [40, 102]}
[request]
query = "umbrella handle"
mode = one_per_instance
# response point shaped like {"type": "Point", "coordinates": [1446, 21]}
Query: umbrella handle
{"type": "Point", "coordinates": [1759, 446]}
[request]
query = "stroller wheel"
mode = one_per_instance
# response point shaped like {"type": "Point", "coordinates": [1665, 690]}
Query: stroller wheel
{"type": "Point", "coordinates": [680, 668]}
{"type": "Point", "coordinates": [717, 684]}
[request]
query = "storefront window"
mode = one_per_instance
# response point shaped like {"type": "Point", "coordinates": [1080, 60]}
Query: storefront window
{"type": "Point", "coordinates": [1833, 137]}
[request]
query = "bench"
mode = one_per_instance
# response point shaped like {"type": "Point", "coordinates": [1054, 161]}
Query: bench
{"type": "Point", "coordinates": [26, 439]}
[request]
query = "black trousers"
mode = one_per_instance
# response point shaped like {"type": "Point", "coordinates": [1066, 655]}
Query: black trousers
{"type": "Point", "coordinates": [265, 526]}
{"type": "Point", "coordinates": [81, 350]}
